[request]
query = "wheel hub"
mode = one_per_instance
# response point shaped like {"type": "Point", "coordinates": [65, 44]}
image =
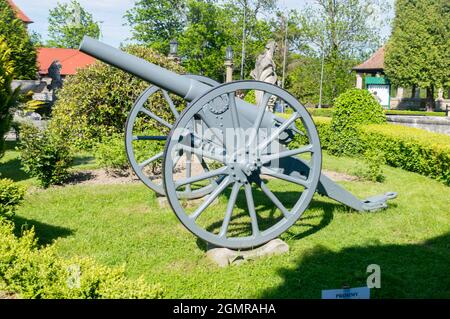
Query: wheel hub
{"type": "Point", "coordinates": [244, 166]}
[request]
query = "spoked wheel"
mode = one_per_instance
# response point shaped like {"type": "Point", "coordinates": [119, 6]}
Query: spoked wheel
{"type": "Point", "coordinates": [145, 135]}
{"type": "Point", "coordinates": [255, 174]}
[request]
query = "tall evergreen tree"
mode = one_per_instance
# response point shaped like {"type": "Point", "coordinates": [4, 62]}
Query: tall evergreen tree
{"type": "Point", "coordinates": [8, 97]}
{"type": "Point", "coordinates": [418, 52]}
{"type": "Point", "coordinates": [23, 53]}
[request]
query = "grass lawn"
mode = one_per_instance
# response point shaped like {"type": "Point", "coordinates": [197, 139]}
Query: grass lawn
{"type": "Point", "coordinates": [330, 246]}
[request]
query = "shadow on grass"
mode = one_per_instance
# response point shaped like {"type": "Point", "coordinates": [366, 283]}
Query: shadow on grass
{"type": "Point", "coordinates": [82, 160]}
{"type": "Point", "coordinates": [407, 271]}
{"type": "Point", "coordinates": [301, 229]}
{"type": "Point", "coordinates": [12, 169]}
{"type": "Point", "coordinates": [45, 233]}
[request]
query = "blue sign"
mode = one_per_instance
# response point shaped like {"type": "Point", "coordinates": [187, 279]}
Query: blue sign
{"type": "Point", "coordinates": [350, 293]}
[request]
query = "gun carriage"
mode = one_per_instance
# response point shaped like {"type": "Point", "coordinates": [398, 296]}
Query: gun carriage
{"type": "Point", "coordinates": [238, 146]}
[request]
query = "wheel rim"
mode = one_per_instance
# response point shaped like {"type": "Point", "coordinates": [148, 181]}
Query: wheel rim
{"type": "Point", "coordinates": [139, 166]}
{"type": "Point", "coordinates": [243, 174]}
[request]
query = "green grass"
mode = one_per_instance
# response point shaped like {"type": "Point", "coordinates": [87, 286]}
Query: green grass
{"type": "Point", "coordinates": [330, 246]}
{"type": "Point", "coordinates": [11, 167]}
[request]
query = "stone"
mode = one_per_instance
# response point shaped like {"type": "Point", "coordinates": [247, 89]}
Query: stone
{"type": "Point", "coordinates": [224, 257]}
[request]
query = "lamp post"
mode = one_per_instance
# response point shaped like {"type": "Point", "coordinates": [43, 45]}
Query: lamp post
{"type": "Point", "coordinates": [173, 51]}
{"type": "Point", "coordinates": [229, 64]}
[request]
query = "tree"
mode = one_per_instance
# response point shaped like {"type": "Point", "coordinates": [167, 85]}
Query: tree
{"type": "Point", "coordinates": [8, 97]}
{"type": "Point", "coordinates": [69, 23]}
{"type": "Point", "coordinates": [288, 36]}
{"type": "Point", "coordinates": [156, 22]}
{"type": "Point", "coordinates": [249, 10]}
{"type": "Point", "coordinates": [343, 31]}
{"type": "Point", "coordinates": [207, 34]}
{"type": "Point", "coordinates": [23, 53]}
{"type": "Point", "coordinates": [418, 52]}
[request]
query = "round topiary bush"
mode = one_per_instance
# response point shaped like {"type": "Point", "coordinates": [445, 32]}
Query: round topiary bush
{"type": "Point", "coordinates": [353, 108]}
{"type": "Point", "coordinates": [94, 103]}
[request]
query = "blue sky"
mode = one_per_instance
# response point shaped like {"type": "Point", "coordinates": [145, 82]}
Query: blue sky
{"type": "Point", "coordinates": [110, 12]}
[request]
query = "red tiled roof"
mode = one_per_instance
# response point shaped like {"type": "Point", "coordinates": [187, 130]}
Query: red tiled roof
{"type": "Point", "coordinates": [22, 16]}
{"type": "Point", "coordinates": [70, 59]}
{"type": "Point", "coordinates": [375, 62]}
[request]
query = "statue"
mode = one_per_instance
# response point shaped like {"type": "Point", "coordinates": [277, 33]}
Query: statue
{"type": "Point", "coordinates": [265, 71]}
{"type": "Point", "coordinates": [54, 72]}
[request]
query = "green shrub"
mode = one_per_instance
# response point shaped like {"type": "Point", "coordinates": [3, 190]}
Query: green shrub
{"type": "Point", "coordinates": [110, 154]}
{"type": "Point", "coordinates": [44, 156]}
{"type": "Point", "coordinates": [11, 195]}
{"type": "Point", "coordinates": [323, 128]}
{"type": "Point", "coordinates": [94, 103]}
{"type": "Point", "coordinates": [23, 52]}
{"type": "Point", "coordinates": [8, 97]}
{"type": "Point", "coordinates": [39, 273]}
{"type": "Point", "coordinates": [372, 170]}
{"type": "Point", "coordinates": [412, 149]}
{"type": "Point", "coordinates": [250, 97]}
{"type": "Point", "coordinates": [352, 109]}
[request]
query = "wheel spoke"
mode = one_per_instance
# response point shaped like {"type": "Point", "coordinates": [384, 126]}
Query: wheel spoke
{"type": "Point", "coordinates": [171, 105]}
{"type": "Point", "coordinates": [268, 158]}
{"type": "Point", "coordinates": [205, 168]}
{"type": "Point", "coordinates": [188, 169]}
{"type": "Point", "coordinates": [151, 159]}
{"type": "Point", "coordinates": [274, 199]}
{"type": "Point", "coordinates": [251, 209]}
{"type": "Point", "coordinates": [230, 207]}
{"type": "Point", "coordinates": [277, 132]}
{"type": "Point", "coordinates": [303, 182]}
{"type": "Point", "coordinates": [261, 111]}
{"type": "Point", "coordinates": [156, 117]}
{"type": "Point", "coordinates": [194, 179]}
{"type": "Point", "coordinates": [211, 197]}
{"type": "Point", "coordinates": [233, 109]}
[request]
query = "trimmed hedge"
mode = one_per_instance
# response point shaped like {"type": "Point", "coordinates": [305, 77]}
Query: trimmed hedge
{"type": "Point", "coordinates": [328, 112]}
{"type": "Point", "coordinates": [40, 274]}
{"type": "Point", "coordinates": [411, 149]}
{"type": "Point", "coordinates": [414, 113]}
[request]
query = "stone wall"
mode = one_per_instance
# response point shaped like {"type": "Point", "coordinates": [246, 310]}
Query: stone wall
{"type": "Point", "coordinates": [430, 123]}
{"type": "Point", "coordinates": [417, 104]}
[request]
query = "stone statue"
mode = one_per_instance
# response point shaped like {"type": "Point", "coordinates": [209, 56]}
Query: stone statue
{"type": "Point", "coordinates": [54, 72]}
{"type": "Point", "coordinates": [265, 70]}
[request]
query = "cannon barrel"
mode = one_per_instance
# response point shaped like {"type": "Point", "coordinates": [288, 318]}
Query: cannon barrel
{"type": "Point", "coordinates": [187, 88]}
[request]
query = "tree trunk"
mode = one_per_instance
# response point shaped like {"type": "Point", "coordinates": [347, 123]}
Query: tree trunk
{"type": "Point", "coordinates": [430, 99]}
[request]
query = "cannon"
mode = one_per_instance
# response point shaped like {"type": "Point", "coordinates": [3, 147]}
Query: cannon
{"type": "Point", "coordinates": [222, 144]}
